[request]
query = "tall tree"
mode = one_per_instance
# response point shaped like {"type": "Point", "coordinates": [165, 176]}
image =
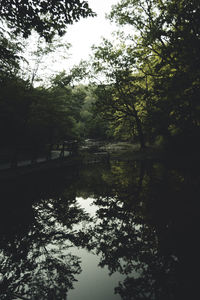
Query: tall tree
{"type": "Point", "coordinates": [120, 98]}
{"type": "Point", "coordinates": [166, 40]}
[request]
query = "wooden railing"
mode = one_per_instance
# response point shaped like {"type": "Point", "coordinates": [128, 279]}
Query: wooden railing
{"type": "Point", "coordinates": [29, 156]}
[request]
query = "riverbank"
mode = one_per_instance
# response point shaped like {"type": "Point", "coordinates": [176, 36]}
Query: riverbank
{"type": "Point", "coordinates": [43, 166]}
{"type": "Point", "coordinates": [128, 151]}
{"type": "Point", "coordinates": [93, 152]}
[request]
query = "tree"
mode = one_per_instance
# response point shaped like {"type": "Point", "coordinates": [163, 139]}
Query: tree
{"type": "Point", "coordinates": [10, 50]}
{"type": "Point", "coordinates": [36, 260]}
{"type": "Point", "coordinates": [143, 229]}
{"type": "Point", "coordinates": [73, 97]}
{"type": "Point", "coordinates": [29, 116]}
{"type": "Point", "coordinates": [40, 57]}
{"type": "Point", "coordinates": [46, 17]}
{"type": "Point", "coordinates": [79, 102]}
{"type": "Point", "coordinates": [121, 96]}
{"type": "Point", "coordinates": [166, 42]}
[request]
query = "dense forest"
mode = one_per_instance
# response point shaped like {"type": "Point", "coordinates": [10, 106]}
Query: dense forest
{"type": "Point", "coordinates": [143, 88]}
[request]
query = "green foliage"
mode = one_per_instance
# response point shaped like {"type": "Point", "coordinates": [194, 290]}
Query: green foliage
{"type": "Point", "coordinates": [45, 17]}
{"type": "Point", "coordinates": [152, 77]}
{"type": "Point", "coordinates": [121, 99]}
{"type": "Point", "coordinates": [90, 124]}
{"type": "Point", "coordinates": [14, 109]}
{"type": "Point", "coordinates": [149, 88]}
{"type": "Point", "coordinates": [32, 116]}
{"type": "Point", "coordinates": [9, 54]}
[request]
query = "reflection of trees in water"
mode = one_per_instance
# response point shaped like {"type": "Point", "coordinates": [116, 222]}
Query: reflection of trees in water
{"type": "Point", "coordinates": [146, 227]}
{"type": "Point", "coordinates": [144, 230]}
{"type": "Point", "coordinates": [43, 275]}
{"type": "Point", "coordinates": [35, 259]}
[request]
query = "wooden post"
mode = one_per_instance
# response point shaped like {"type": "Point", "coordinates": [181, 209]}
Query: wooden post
{"type": "Point", "coordinates": [62, 152]}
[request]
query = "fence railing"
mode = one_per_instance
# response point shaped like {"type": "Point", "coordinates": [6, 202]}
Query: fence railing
{"type": "Point", "coordinates": [24, 155]}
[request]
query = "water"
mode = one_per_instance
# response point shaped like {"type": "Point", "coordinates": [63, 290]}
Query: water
{"type": "Point", "coordinates": [118, 230]}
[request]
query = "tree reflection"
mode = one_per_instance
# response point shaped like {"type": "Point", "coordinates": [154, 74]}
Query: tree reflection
{"type": "Point", "coordinates": [35, 257]}
{"type": "Point", "coordinates": [146, 227]}
{"type": "Point", "coordinates": [146, 230]}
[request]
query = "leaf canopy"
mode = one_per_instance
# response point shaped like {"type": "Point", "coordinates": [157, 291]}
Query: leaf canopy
{"type": "Point", "coordinates": [47, 17]}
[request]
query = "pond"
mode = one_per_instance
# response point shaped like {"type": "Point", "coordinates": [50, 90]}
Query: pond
{"type": "Point", "coordinates": [104, 231]}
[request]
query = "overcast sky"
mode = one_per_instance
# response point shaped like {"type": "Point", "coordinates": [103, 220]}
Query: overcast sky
{"type": "Point", "coordinates": [83, 34]}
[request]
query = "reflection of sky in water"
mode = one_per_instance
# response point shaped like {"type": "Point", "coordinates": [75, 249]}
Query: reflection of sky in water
{"type": "Point", "coordinates": [131, 231]}
{"type": "Point", "coordinates": [94, 283]}
{"type": "Point", "coordinates": [87, 205]}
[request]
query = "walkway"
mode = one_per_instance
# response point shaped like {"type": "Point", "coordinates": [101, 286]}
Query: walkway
{"type": "Point", "coordinates": [55, 154]}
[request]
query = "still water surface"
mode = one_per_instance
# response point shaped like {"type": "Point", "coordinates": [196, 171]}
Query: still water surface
{"type": "Point", "coordinates": [120, 230]}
